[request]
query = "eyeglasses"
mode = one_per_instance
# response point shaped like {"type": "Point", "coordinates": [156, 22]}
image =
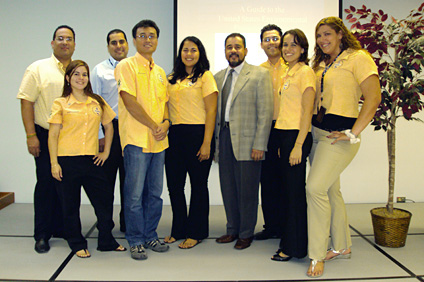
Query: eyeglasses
{"type": "Point", "coordinates": [144, 36]}
{"type": "Point", "coordinates": [268, 39]}
{"type": "Point", "coordinates": [67, 39]}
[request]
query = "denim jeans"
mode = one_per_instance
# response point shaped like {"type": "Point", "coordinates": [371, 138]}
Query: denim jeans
{"type": "Point", "coordinates": [142, 194]}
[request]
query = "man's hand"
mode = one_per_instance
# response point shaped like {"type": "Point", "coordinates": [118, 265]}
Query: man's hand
{"type": "Point", "coordinates": [161, 131]}
{"type": "Point", "coordinates": [33, 145]}
{"type": "Point", "coordinates": [257, 155]}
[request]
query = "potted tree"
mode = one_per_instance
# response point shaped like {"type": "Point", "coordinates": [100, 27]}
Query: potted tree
{"type": "Point", "coordinates": [397, 47]}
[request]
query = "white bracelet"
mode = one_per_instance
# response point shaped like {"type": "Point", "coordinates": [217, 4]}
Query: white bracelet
{"type": "Point", "coordinates": [352, 137]}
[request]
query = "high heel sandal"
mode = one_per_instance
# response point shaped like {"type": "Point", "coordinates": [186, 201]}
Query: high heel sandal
{"type": "Point", "coordinates": [314, 263]}
{"type": "Point", "coordinates": [339, 254]}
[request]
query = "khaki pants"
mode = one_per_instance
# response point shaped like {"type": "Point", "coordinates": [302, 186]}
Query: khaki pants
{"type": "Point", "coordinates": [326, 208]}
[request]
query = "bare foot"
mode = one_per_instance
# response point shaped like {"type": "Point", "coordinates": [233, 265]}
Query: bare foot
{"type": "Point", "coordinates": [331, 254]}
{"type": "Point", "coordinates": [316, 268]}
{"type": "Point", "coordinates": [188, 243]}
{"type": "Point", "coordinates": [169, 239]}
{"type": "Point", "coordinates": [120, 249]}
{"type": "Point", "coordinates": [83, 253]}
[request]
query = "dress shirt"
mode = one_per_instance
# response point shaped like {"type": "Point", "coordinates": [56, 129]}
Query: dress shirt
{"type": "Point", "coordinates": [42, 84]}
{"type": "Point", "coordinates": [236, 73]}
{"type": "Point", "coordinates": [103, 83]}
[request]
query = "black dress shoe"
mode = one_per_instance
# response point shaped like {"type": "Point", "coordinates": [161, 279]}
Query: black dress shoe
{"type": "Point", "coordinates": [265, 234]}
{"type": "Point", "coordinates": [42, 246]}
{"type": "Point", "coordinates": [278, 257]}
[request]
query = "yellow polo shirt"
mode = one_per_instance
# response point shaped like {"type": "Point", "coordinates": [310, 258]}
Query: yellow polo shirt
{"type": "Point", "coordinates": [186, 104]}
{"type": "Point", "coordinates": [277, 73]}
{"type": "Point", "coordinates": [148, 83]}
{"type": "Point", "coordinates": [295, 82]}
{"type": "Point", "coordinates": [342, 83]}
{"type": "Point", "coordinates": [80, 122]}
{"type": "Point", "coordinates": [42, 84]}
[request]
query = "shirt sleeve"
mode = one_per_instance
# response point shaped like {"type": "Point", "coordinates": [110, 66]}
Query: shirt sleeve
{"type": "Point", "coordinates": [56, 115]}
{"type": "Point", "coordinates": [96, 83]}
{"type": "Point", "coordinates": [29, 89]}
{"type": "Point", "coordinates": [363, 67]}
{"type": "Point", "coordinates": [308, 79]}
{"type": "Point", "coordinates": [125, 78]}
{"type": "Point", "coordinates": [208, 84]}
{"type": "Point", "coordinates": [108, 114]}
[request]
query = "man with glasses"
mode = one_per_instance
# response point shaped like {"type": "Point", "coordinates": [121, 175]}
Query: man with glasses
{"type": "Point", "coordinates": [41, 85]}
{"type": "Point", "coordinates": [143, 125]}
{"type": "Point", "coordinates": [103, 83]}
{"type": "Point", "coordinates": [271, 173]}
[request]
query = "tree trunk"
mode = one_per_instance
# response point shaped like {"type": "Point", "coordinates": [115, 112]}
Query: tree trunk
{"type": "Point", "coordinates": [391, 149]}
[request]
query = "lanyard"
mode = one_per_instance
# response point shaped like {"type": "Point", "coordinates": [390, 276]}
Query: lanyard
{"type": "Point", "coordinates": [325, 71]}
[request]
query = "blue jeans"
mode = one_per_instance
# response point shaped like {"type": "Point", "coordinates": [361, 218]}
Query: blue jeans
{"type": "Point", "coordinates": [142, 194]}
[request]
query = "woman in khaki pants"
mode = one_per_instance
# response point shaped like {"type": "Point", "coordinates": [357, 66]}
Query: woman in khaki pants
{"type": "Point", "coordinates": [345, 72]}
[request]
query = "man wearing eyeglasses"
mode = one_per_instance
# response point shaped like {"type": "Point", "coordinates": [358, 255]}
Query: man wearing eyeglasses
{"type": "Point", "coordinates": [41, 85]}
{"type": "Point", "coordinates": [103, 83]}
{"type": "Point", "coordinates": [143, 125]}
{"type": "Point", "coordinates": [271, 173]}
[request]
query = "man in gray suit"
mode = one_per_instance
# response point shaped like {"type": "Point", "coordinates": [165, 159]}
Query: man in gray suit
{"type": "Point", "coordinates": [244, 116]}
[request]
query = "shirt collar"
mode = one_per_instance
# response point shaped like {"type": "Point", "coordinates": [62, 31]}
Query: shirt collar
{"type": "Point", "coordinates": [236, 69]}
{"type": "Point", "coordinates": [73, 100]}
{"type": "Point", "coordinates": [295, 68]}
{"type": "Point", "coordinates": [113, 62]}
{"type": "Point", "coordinates": [58, 63]}
{"type": "Point", "coordinates": [144, 61]}
{"type": "Point", "coordinates": [277, 64]}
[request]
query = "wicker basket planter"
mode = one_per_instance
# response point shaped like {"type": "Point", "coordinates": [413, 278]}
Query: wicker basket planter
{"type": "Point", "coordinates": [390, 230]}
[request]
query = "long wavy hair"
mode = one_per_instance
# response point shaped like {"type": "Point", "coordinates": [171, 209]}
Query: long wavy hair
{"type": "Point", "coordinates": [348, 39]}
{"type": "Point", "coordinates": [67, 89]}
{"type": "Point", "coordinates": [301, 40]}
{"type": "Point", "coordinates": [179, 71]}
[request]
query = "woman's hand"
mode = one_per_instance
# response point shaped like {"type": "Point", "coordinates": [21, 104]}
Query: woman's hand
{"type": "Point", "coordinates": [204, 152]}
{"type": "Point", "coordinates": [339, 136]}
{"type": "Point", "coordinates": [57, 172]}
{"type": "Point", "coordinates": [100, 158]}
{"type": "Point", "coordinates": [296, 155]}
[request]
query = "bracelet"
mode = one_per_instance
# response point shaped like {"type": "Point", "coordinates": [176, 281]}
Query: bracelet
{"type": "Point", "coordinates": [170, 123]}
{"type": "Point", "coordinates": [31, 135]}
{"type": "Point", "coordinates": [352, 137]}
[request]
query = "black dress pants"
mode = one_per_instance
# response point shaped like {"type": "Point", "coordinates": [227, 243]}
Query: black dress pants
{"type": "Point", "coordinates": [271, 181]}
{"type": "Point", "coordinates": [48, 219]}
{"type": "Point", "coordinates": [111, 166]}
{"type": "Point", "coordinates": [180, 158]}
{"type": "Point", "coordinates": [80, 171]}
{"type": "Point", "coordinates": [294, 240]}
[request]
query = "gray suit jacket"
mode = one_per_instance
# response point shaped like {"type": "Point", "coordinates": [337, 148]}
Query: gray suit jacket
{"type": "Point", "coordinates": [250, 113]}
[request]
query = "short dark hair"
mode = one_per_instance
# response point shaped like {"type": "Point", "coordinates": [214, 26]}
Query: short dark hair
{"type": "Point", "coordinates": [145, 23]}
{"type": "Point", "coordinates": [301, 40]}
{"type": "Point", "coordinates": [113, 31]}
{"type": "Point", "coordinates": [235, 34]}
{"type": "Point", "coordinates": [269, 27]}
{"type": "Point", "coordinates": [63, 26]}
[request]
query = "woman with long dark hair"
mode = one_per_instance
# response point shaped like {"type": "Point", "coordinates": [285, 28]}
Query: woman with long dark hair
{"type": "Point", "coordinates": [75, 157]}
{"type": "Point", "coordinates": [345, 72]}
{"type": "Point", "coordinates": [192, 109]}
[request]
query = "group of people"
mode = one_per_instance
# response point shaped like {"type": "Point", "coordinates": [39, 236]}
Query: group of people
{"type": "Point", "coordinates": [260, 123]}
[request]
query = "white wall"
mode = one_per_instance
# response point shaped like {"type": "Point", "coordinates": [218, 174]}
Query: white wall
{"type": "Point", "coordinates": [26, 29]}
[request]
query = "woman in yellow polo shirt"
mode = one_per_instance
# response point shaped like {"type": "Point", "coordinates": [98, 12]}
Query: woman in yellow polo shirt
{"type": "Point", "coordinates": [192, 109]}
{"type": "Point", "coordinates": [297, 94]}
{"type": "Point", "coordinates": [345, 72]}
{"type": "Point", "coordinates": [75, 157]}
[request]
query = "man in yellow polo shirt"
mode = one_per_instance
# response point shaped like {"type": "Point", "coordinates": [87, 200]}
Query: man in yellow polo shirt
{"type": "Point", "coordinates": [41, 85]}
{"type": "Point", "coordinates": [271, 173]}
{"type": "Point", "coordinates": [143, 126]}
